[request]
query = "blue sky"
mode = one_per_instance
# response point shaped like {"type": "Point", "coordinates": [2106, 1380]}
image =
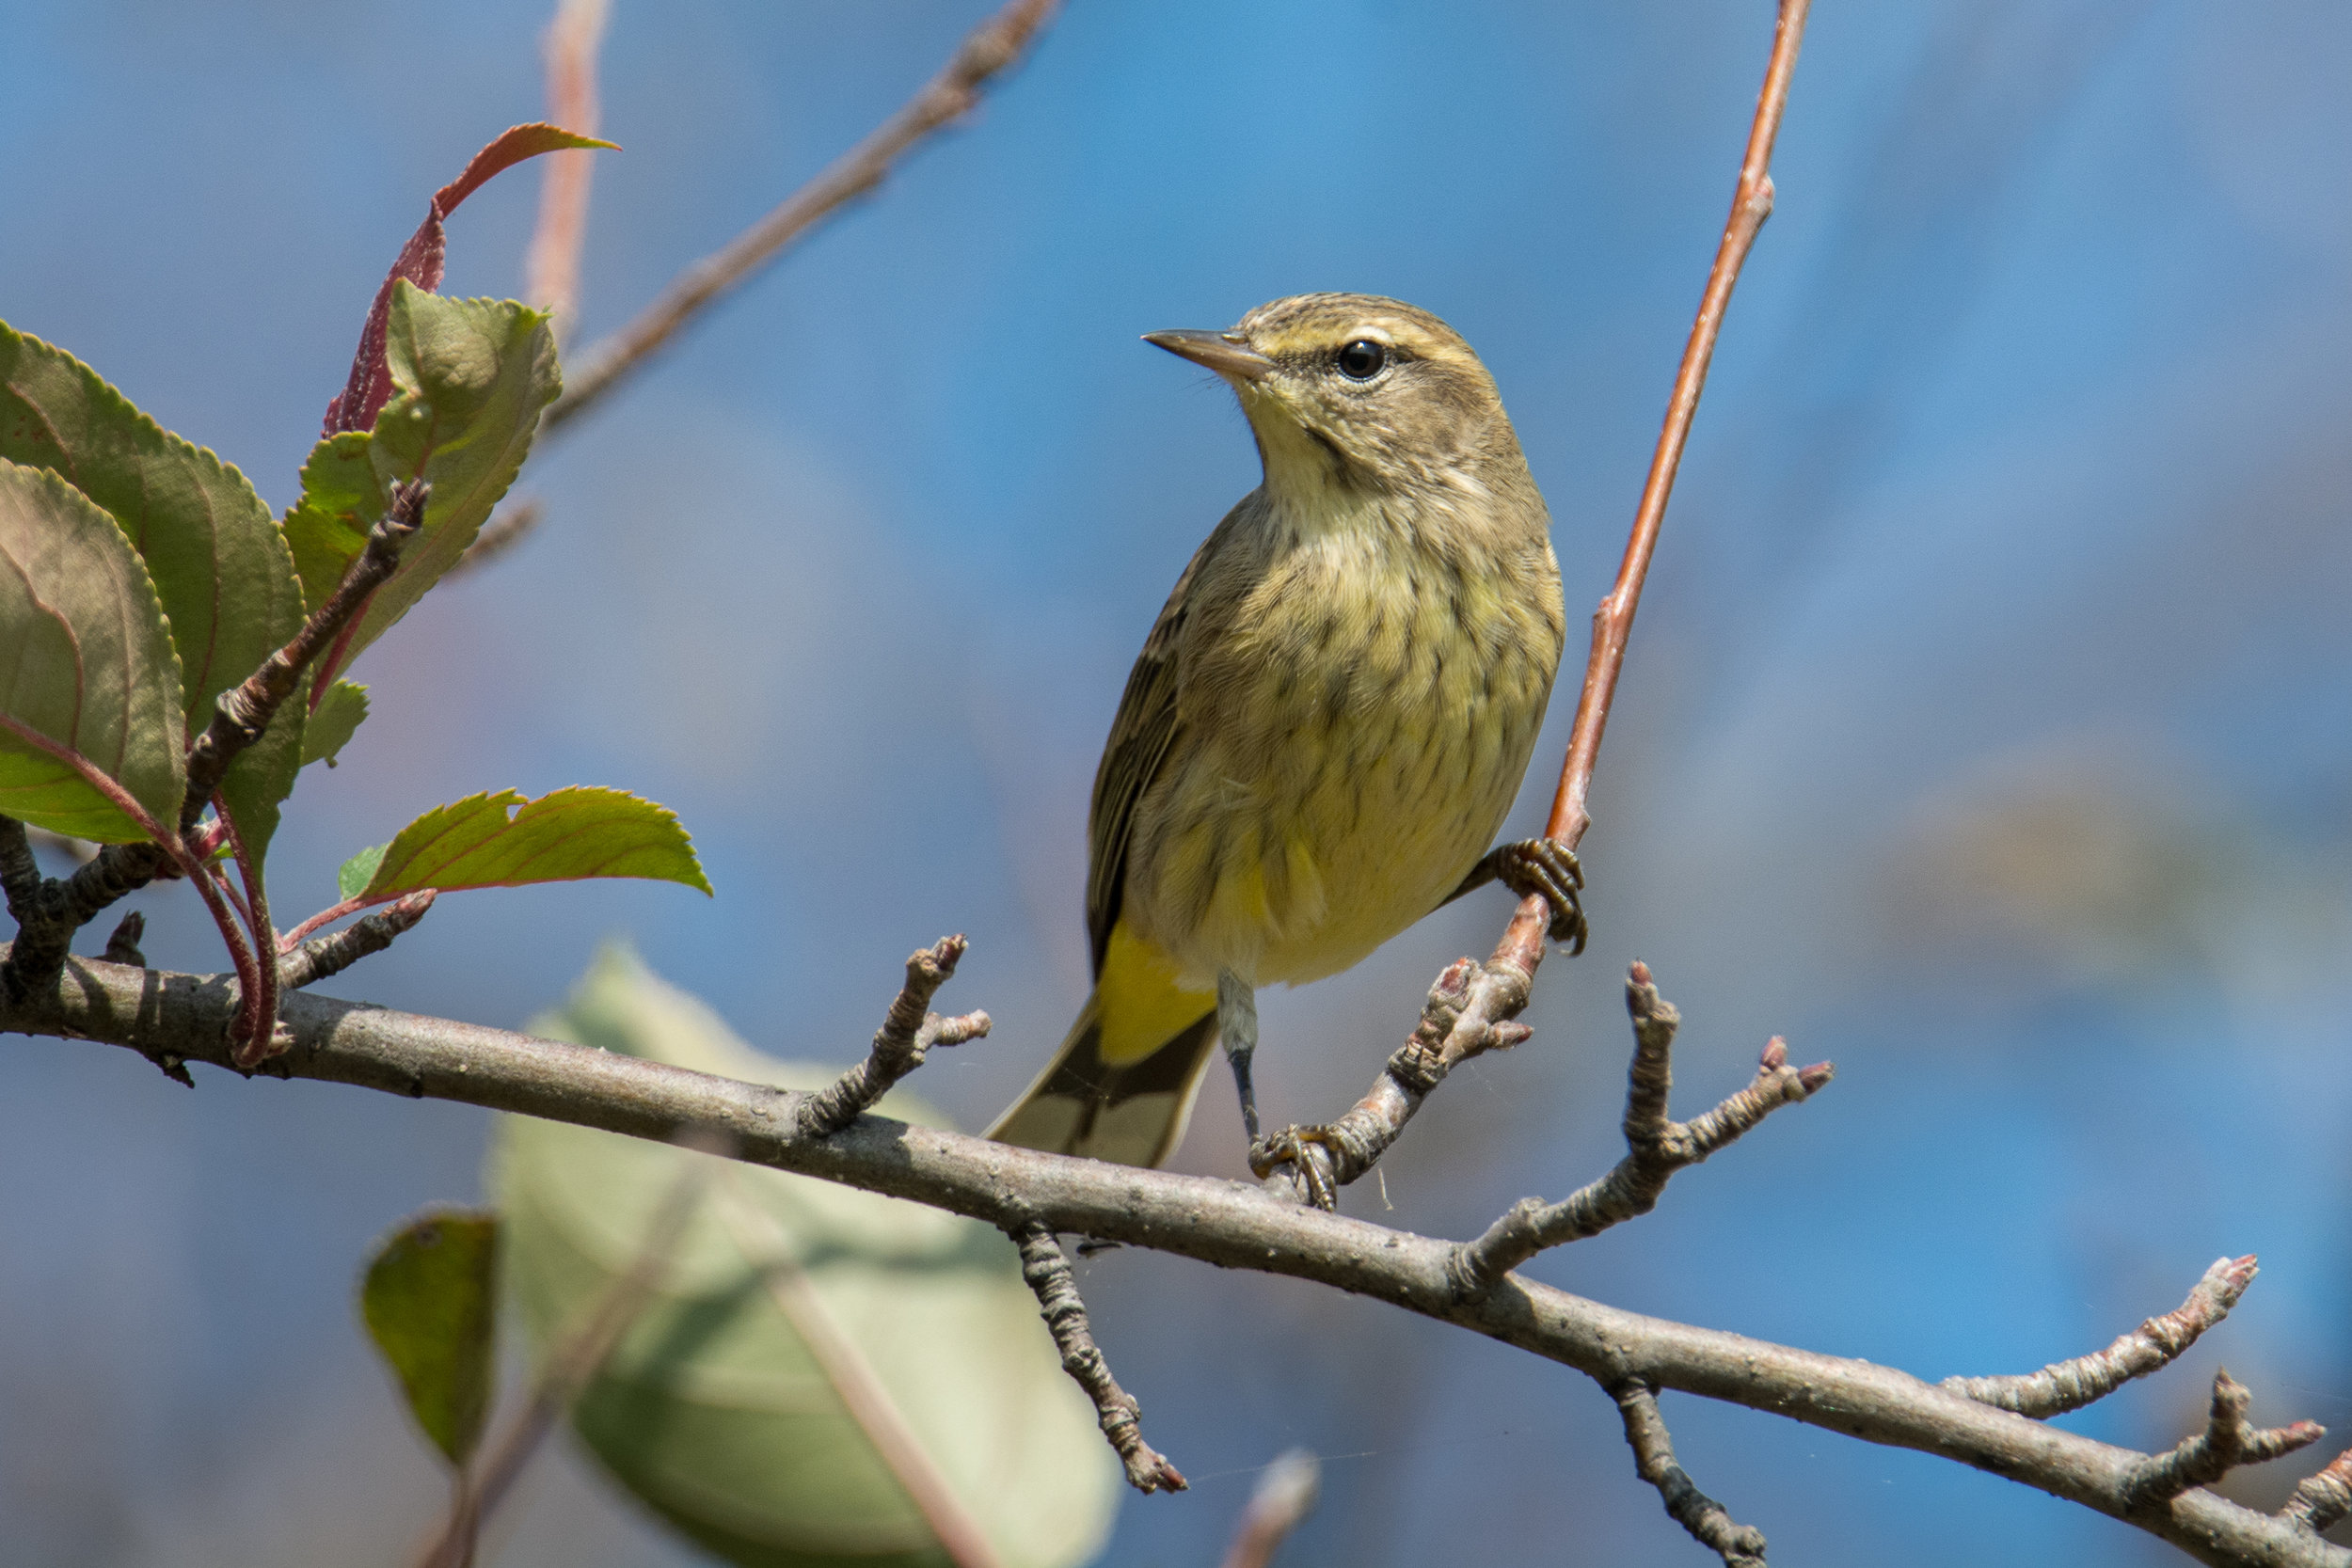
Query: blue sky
{"type": "Point", "coordinates": [1985, 728]}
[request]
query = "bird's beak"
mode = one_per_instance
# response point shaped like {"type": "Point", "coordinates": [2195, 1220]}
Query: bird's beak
{"type": "Point", "coordinates": [1228, 354]}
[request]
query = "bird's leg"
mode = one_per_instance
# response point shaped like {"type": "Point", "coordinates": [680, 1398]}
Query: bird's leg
{"type": "Point", "coordinates": [1539, 865]}
{"type": "Point", "coordinates": [1237, 1026]}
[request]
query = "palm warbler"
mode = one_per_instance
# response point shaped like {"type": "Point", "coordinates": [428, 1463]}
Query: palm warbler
{"type": "Point", "coordinates": [1328, 721]}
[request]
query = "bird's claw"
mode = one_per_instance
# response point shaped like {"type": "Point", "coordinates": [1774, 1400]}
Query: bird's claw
{"type": "Point", "coordinates": [1548, 869]}
{"type": "Point", "coordinates": [1289, 1147]}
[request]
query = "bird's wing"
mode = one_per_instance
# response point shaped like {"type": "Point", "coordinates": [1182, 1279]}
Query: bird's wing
{"type": "Point", "coordinates": [1141, 737]}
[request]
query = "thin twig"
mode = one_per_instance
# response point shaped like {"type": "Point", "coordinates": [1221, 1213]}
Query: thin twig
{"type": "Point", "coordinates": [243, 711]}
{"type": "Point", "coordinates": [1613, 623]}
{"type": "Point", "coordinates": [906, 1034]}
{"type": "Point", "coordinates": [1656, 1147]}
{"type": "Point", "coordinates": [257, 1026]}
{"type": "Point", "coordinates": [2323, 1499]}
{"type": "Point", "coordinates": [552, 264]}
{"type": "Point", "coordinates": [986, 52]}
{"type": "Point", "coordinates": [509, 527]}
{"type": "Point", "coordinates": [2064, 1385]}
{"type": "Point", "coordinates": [2226, 1442]}
{"type": "Point", "coordinates": [321, 956]}
{"type": "Point", "coordinates": [853, 1377]}
{"type": "Point", "coordinates": [1048, 1274]}
{"type": "Point", "coordinates": [1468, 1011]}
{"type": "Point", "coordinates": [1740, 1546]}
{"type": "Point", "coordinates": [566, 1373]}
{"type": "Point", "coordinates": [1286, 1496]}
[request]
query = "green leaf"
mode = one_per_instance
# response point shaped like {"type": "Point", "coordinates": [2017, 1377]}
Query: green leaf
{"type": "Point", "coordinates": [330, 727]}
{"type": "Point", "coordinates": [89, 685]}
{"type": "Point", "coordinates": [429, 1300]}
{"type": "Point", "coordinates": [351, 879]}
{"type": "Point", "coordinates": [470, 378]}
{"type": "Point", "coordinates": [484, 841]}
{"type": "Point", "coordinates": [219, 565]}
{"type": "Point", "coordinates": [795, 1321]}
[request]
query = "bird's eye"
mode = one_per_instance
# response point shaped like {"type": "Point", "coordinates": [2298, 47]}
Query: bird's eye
{"type": "Point", "coordinates": [1361, 360]}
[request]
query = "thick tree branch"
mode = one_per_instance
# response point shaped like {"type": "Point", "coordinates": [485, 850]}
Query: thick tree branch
{"type": "Point", "coordinates": [2064, 1385]}
{"type": "Point", "coordinates": [1655, 1146]}
{"type": "Point", "coordinates": [907, 1034]}
{"type": "Point", "coordinates": [986, 52]}
{"type": "Point", "coordinates": [1047, 1272]}
{"type": "Point", "coordinates": [1710, 1524]}
{"type": "Point", "coordinates": [1232, 1224]}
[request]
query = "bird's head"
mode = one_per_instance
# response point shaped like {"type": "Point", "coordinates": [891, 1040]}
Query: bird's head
{"type": "Point", "coordinates": [1354, 392]}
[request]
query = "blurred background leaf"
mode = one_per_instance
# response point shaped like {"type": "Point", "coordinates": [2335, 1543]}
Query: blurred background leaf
{"type": "Point", "coordinates": [826, 1378]}
{"type": "Point", "coordinates": [430, 1300]}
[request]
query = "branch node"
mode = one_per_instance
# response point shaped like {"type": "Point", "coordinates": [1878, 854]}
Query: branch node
{"type": "Point", "coordinates": [122, 948]}
{"type": "Point", "coordinates": [2064, 1385]}
{"type": "Point", "coordinates": [1047, 1273]}
{"type": "Point", "coordinates": [1710, 1524]}
{"type": "Point", "coordinates": [906, 1037]}
{"type": "Point", "coordinates": [2227, 1443]}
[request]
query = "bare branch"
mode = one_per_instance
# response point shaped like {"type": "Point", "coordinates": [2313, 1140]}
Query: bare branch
{"type": "Point", "coordinates": [907, 1034]}
{"type": "Point", "coordinates": [1740, 1546]}
{"type": "Point", "coordinates": [2064, 1385]}
{"type": "Point", "coordinates": [1468, 1011]}
{"type": "Point", "coordinates": [2322, 1500]}
{"type": "Point", "coordinates": [1656, 1147]}
{"type": "Point", "coordinates": [1286, 1496]}
{"type": "Point", "coordinates": [1231, 1225]}
{"type": "Point", "coordinates": [2226, 1442]}
{"type": "Point", "coordinates": [1048, 1274]}
{"type": "Point", "coordinates": [321, 956]}
{"type": "Point", "coordinates": [986, 52]}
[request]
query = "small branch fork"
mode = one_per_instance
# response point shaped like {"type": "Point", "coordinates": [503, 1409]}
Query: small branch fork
{"type": "Point", "coordinates": [1740, 1546]}
{"type": "Point", "coordinates": [2226, 1444]}
{"type": "Point", "coordinates": [1047, 1272]}
{"type": "Point", "coordinates": [907, 1034]}
{"type": "Point", "coordinates": [1655, 1146]}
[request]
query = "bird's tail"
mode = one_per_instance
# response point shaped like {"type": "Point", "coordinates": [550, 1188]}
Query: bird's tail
{"type": "Point", "coordinates": [1122, 1086]}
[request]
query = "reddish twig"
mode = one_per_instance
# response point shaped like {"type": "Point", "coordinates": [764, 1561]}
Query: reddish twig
{"type": "Point", "coordinates": [2322, 1500]}
{"type": "Point", "coordinates": [552, 264]}
{"type": "Point", "coordinates": [257, 1024]}
{"type": "Point", "coordinates": [1751, 204]}
{"type": "Point", "coordinates": [1286, 1496]}
{"type": "Point", "coordinates": [986, 52]}
{"type": "Point", "coordinates": [2064, 1385]}
{"type": "Point", "coordinates": [305, 964]}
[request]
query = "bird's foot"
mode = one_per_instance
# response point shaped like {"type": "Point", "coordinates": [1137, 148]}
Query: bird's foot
{"type": "Point", "coordinates": [1548, 868]}
{"type": "Point", "coordinates": [1289, 1147]}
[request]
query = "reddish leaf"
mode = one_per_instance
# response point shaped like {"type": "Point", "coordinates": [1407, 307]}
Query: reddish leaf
{"type": "Point", "coordinates": [419, 261]}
